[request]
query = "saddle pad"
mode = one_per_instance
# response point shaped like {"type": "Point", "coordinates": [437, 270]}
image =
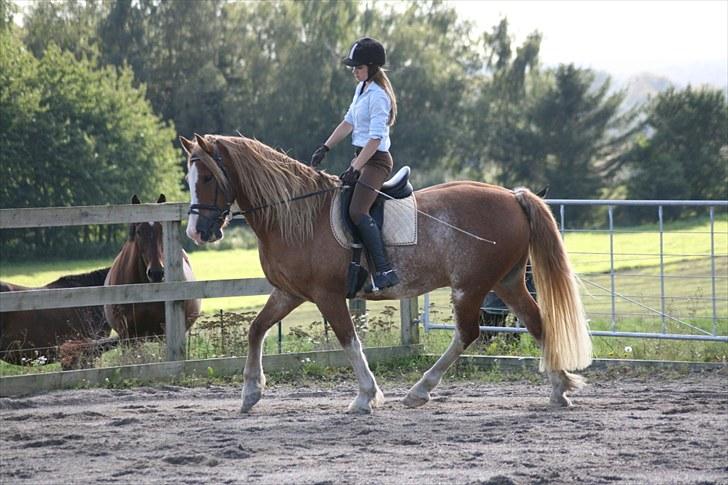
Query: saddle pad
{"type": "Point", "coordinates": [399, 226]}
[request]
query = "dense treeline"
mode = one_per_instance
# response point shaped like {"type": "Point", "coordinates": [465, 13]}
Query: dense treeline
{"type": "Point", "coordinates": [93, 93]}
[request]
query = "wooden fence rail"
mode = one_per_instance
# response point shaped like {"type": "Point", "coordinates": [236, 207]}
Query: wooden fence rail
{"type": "Point", "coordinates": [172, 291]}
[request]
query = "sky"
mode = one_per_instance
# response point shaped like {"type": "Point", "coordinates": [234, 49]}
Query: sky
{"type": "Point", "coordinates": [680, 39]}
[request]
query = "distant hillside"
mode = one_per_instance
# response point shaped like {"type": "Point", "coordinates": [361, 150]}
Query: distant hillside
{"type": "Point", "coordinates": [642, 87]}
{"type": "Point", "coordinates": [639, 89]}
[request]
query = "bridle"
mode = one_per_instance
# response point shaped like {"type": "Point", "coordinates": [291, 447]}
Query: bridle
{"type": "Point", "coordinates": [212, 221]}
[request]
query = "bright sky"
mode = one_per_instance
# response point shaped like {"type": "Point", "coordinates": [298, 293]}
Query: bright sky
{"type": "Point", "coordinates": [621, 37]}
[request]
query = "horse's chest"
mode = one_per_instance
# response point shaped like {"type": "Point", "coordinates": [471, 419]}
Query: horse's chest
{"type": "Point", "coordinates": [286, 277]}
{"type": "Point", "coordinates": [143, 317]}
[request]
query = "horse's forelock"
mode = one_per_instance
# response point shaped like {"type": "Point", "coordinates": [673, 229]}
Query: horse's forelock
{"type": "Point", "coordinates": [207, 160]}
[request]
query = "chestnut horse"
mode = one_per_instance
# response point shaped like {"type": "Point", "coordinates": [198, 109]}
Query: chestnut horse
{"type": "Point", "coordinates": [28, 335]}
{"type": "Point", "coordinates": [304, 262]}
{"type": "Point", "coordinates": [141, 260]}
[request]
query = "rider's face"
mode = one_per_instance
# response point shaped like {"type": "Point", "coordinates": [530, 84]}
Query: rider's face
{"type": "Point", "coordinates": [360, 72]}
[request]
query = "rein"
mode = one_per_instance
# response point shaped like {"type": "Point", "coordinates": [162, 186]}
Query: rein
{"type": "Point", "coordinates": [293, 199]}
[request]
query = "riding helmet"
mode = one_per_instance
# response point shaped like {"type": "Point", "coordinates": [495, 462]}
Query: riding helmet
{"type": "Point", "coordinates": [366, 51]}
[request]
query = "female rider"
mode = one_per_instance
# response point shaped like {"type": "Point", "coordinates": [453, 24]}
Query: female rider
{"type": "Point", "coordinates": [371, 113]}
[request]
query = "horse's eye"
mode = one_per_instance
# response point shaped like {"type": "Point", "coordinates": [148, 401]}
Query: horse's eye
{"type": "Point", "coordinates": [207, 179]}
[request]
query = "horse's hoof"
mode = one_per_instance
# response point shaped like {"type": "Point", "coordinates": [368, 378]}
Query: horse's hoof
{"type": "Point", "coordinates": [412, 400]}
{"type": "Point", "coordinates": [561, 401]}
{"type": "Point", "coordinates": [246, 407]}
{"type": "Point", "coordinates": [250, 400]}
{"type": "Point", "coordinates": [356, 408]}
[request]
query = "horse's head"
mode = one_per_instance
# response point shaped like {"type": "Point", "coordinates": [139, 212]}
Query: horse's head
{"type": "Point", "coordinates": [147, 237]}
{"type": "Point", "coordinates": [211, 196]}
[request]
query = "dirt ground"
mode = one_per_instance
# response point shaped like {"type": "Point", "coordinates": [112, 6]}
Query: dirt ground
{"type": "Point", "coordinates": [635, 429]}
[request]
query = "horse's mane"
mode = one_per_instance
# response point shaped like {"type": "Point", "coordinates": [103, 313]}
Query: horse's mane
{"type": "Point", "coordinates": [92, 278]}
{"type": "Point", "coordinates": [270, 180]}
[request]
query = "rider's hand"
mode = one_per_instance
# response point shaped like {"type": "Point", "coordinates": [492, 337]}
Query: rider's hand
{"type": "Point", "coordinates": [349, 177]}
{"type": "Point", "coordinates": [318, 155]}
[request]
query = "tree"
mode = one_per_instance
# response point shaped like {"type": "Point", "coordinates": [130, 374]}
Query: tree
{"type": "Point", "coordinates": [173, 49]}
{"type": "Point", "coordinates": [69, 24]}
{"type": "Point", "coordinates": [575, 125]}
{"type": "Point", "coordinates": [8, 9]}
{"type": "Point", "coordinates": [74, 134]}
{"type": "Point", "coordinates": [496, 133]}
{"type": "Point", "coordinates": [685, 153]}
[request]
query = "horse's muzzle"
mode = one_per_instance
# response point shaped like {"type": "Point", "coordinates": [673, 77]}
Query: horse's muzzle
{"type": "Point", "coordinates": [155, 275]}
{"type": "Point", "coordinates": [210, 234]}
{"type": "Point", "coordinates": [209, 223]}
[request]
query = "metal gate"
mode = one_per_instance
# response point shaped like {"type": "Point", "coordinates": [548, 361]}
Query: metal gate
{"type": "Point", "coordinates": [655, 280]}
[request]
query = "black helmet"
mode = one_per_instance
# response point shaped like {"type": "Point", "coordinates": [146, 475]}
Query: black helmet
{"type": "Point", "coordinates": [366, 51]}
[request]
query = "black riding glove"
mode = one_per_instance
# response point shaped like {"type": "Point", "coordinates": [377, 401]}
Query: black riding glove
{"type": "Point", "coordinates": [350, 176]}
{"type": "Point", "coordinates": [318, 155]}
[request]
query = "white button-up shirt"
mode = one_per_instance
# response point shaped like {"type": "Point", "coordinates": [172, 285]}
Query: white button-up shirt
{"type": "Point", "coordinates": [369, 115]}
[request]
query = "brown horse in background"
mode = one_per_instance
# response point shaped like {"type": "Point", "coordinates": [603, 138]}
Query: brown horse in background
{"type": "Point", "coordinates": [141, 260]}
{"type": "Point", "coordinates": [497, 230]}
{"type": "Point", "coordinates": [34, 335]}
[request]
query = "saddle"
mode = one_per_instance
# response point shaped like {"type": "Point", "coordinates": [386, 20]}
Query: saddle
{"type": "Point", "coordinates": [397, 188]}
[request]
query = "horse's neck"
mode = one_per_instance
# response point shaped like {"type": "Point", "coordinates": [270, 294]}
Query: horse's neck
{"type": "Point", "coordinates": [271, 237]}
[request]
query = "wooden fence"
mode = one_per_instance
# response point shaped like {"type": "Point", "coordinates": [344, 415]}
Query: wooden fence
{"type": "Point", "coordinates": [173, 291]}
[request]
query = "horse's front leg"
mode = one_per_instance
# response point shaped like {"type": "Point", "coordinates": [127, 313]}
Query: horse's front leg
{"type": "Point", "coordinates": [369, 396]}
{"type": "Point", "coordinates": [279, 305]}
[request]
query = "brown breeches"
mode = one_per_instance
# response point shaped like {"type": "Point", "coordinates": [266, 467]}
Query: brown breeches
{"type": "Point", "coordinates": [373, 174]}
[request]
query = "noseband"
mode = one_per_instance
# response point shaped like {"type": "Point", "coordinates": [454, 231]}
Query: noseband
{"type": "Point", "coordinates": [213, 221]}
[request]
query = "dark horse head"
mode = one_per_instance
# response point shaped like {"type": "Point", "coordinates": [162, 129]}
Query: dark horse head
{"type": "Point", "coordinates": [146, 237]}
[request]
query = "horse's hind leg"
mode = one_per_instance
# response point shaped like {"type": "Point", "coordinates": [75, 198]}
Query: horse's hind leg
{"type": "Point", "coordinates": [337, 313]}
{"type": "Point", "coordinates": [512, 290]}
{"type": "Point", "coordinates": [467, 312]}
{"type": "Point", "coordinates": [279, 305]}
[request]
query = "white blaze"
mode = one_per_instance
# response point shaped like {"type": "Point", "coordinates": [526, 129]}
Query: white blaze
{"type": "Point", "coordinates": [192, 177]}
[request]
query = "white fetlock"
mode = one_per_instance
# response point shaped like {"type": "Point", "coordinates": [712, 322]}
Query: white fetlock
{"type": "Point", "coordinates": [378, 399]}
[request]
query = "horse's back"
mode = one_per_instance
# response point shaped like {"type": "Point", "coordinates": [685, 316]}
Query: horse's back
{"type": "Point", "coordinates": [473, 206]}
{"type": "Point", "coordinates": [469, 235]}
{"type": "Point", "coordinates": [92, 278]}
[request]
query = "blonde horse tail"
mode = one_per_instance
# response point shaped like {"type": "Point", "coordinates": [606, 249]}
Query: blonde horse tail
{"type": "Point", "coordinates": [566, 344]}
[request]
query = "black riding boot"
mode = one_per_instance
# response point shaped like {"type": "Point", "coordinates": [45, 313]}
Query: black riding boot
{"type": "Point", "coordinates": [384, 276]}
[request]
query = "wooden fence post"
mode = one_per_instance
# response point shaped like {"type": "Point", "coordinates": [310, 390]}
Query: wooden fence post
{"type": "Point", "coordinates": [173, 310]}
{"type": "Point", "coordinates": [409, 321]}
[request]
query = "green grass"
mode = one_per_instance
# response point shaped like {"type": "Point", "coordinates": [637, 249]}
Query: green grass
{"type": "Point", "coordinates": [638, 247]}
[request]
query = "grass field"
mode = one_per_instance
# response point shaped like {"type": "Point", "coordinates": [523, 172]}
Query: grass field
{"type": "Point", "coordinates": [687, 297]}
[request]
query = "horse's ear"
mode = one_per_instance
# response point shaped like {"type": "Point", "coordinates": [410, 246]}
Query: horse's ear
{"type": "Point", "coordinates": [542, 193]}
{"type": "Point", "coordinates": [186, 144]}
{"type": "Point", "coordinates": [161, 199]}
{"type": "Point", "coordinates": [204, 144]}
{"type": "Point", "coordinates": [135, 199]}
